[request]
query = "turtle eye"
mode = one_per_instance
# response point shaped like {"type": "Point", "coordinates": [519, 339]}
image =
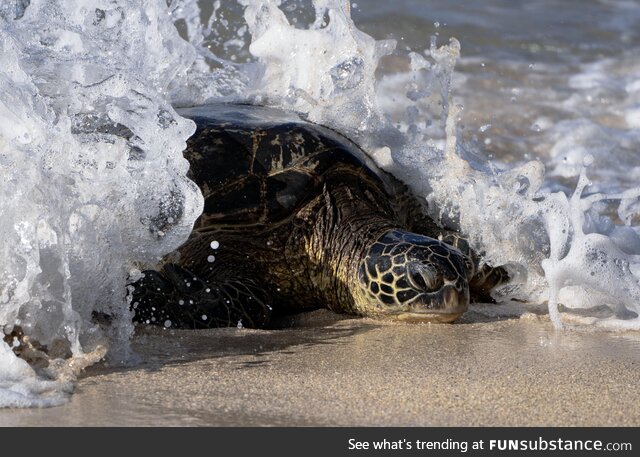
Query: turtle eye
{"type": "Point", "coordinates": [424, 277]}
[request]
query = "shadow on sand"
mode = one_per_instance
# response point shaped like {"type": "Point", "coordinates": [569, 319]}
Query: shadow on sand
{"type": "Point", "coordinates": [158, 347]}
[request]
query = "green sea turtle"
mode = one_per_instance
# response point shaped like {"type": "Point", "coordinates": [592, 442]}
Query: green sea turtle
{"type": "Point", "coordinates": [298, 217]}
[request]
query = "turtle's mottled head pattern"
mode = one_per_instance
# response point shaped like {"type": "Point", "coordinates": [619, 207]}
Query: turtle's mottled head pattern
{"type": "Point", "coordinates": [414, 278]}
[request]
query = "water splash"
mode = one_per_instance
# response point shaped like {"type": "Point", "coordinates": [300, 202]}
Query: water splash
{"type": "Point", "coordinates": [93, 176]}
{"type": "Point", "coordinates": [606, 274]}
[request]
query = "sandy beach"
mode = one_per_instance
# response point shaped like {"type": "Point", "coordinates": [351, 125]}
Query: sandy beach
{"type": "Point", "coordinates": [496, 367]}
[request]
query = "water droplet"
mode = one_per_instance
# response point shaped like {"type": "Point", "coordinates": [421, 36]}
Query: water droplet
{"type": "Point", "coordinates": [214, 245]}
{"type": "Point", "coordinates": [204, 317]}
{"type": "Point", "coordinates": [167, 323]}
{"type": "Point", "coordinates": [211, 258]}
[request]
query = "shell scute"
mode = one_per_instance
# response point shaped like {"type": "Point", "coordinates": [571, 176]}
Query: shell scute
{"type": "Point", "coordinates": [257, 165]}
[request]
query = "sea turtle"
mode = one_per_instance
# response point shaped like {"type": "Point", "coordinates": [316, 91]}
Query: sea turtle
{"type": "Point", "coordinates": [296, 216]}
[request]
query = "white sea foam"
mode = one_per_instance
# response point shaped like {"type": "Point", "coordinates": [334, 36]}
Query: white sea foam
{"type": "Point", "coordinates": [94, 182]}
{"type": "Point", "coordinates": [92, 175]}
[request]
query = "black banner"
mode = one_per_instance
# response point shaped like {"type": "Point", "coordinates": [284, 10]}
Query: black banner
{"type": "Point", "coordinates": [322, 441]}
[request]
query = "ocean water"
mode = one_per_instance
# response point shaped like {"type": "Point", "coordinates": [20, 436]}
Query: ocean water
{"type": "Point", "coordinates": [520, 124]}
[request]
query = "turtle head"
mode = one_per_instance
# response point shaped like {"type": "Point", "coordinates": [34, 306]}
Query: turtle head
{"type": "Point", "coordinates": [411, 277]}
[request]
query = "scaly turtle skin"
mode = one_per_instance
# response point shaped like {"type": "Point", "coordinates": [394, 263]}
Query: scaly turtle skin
{"type": "Point", "coordinates": [298, 217]}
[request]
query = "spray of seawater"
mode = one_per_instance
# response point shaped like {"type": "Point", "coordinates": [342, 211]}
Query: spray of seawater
{"type": "Point", "coordinates": [90, 149]}
{"type": "Point", "coordinates": [93, 180]}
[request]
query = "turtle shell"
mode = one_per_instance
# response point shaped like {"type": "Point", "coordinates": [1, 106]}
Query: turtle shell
{"type": "Point", "coordinates": [258, 165]}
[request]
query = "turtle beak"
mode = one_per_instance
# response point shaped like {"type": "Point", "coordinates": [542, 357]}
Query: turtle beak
{"type": "Point", "coordinates": [455, 300]}
{"type": "Point", "coordinates": [443, 307]}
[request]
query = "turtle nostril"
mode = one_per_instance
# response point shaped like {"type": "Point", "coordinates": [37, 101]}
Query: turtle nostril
{"type": "Point", "coordinates": [424, 277]}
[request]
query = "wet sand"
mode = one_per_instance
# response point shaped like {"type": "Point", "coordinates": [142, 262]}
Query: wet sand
{"type": "Point", "coordinates": [494, 368]}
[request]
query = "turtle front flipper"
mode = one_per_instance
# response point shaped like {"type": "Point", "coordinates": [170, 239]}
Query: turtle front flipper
{"type": "Point", "coordinates": [174, 297]}
{"type": "Point", "coordinates": [485, 277]}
